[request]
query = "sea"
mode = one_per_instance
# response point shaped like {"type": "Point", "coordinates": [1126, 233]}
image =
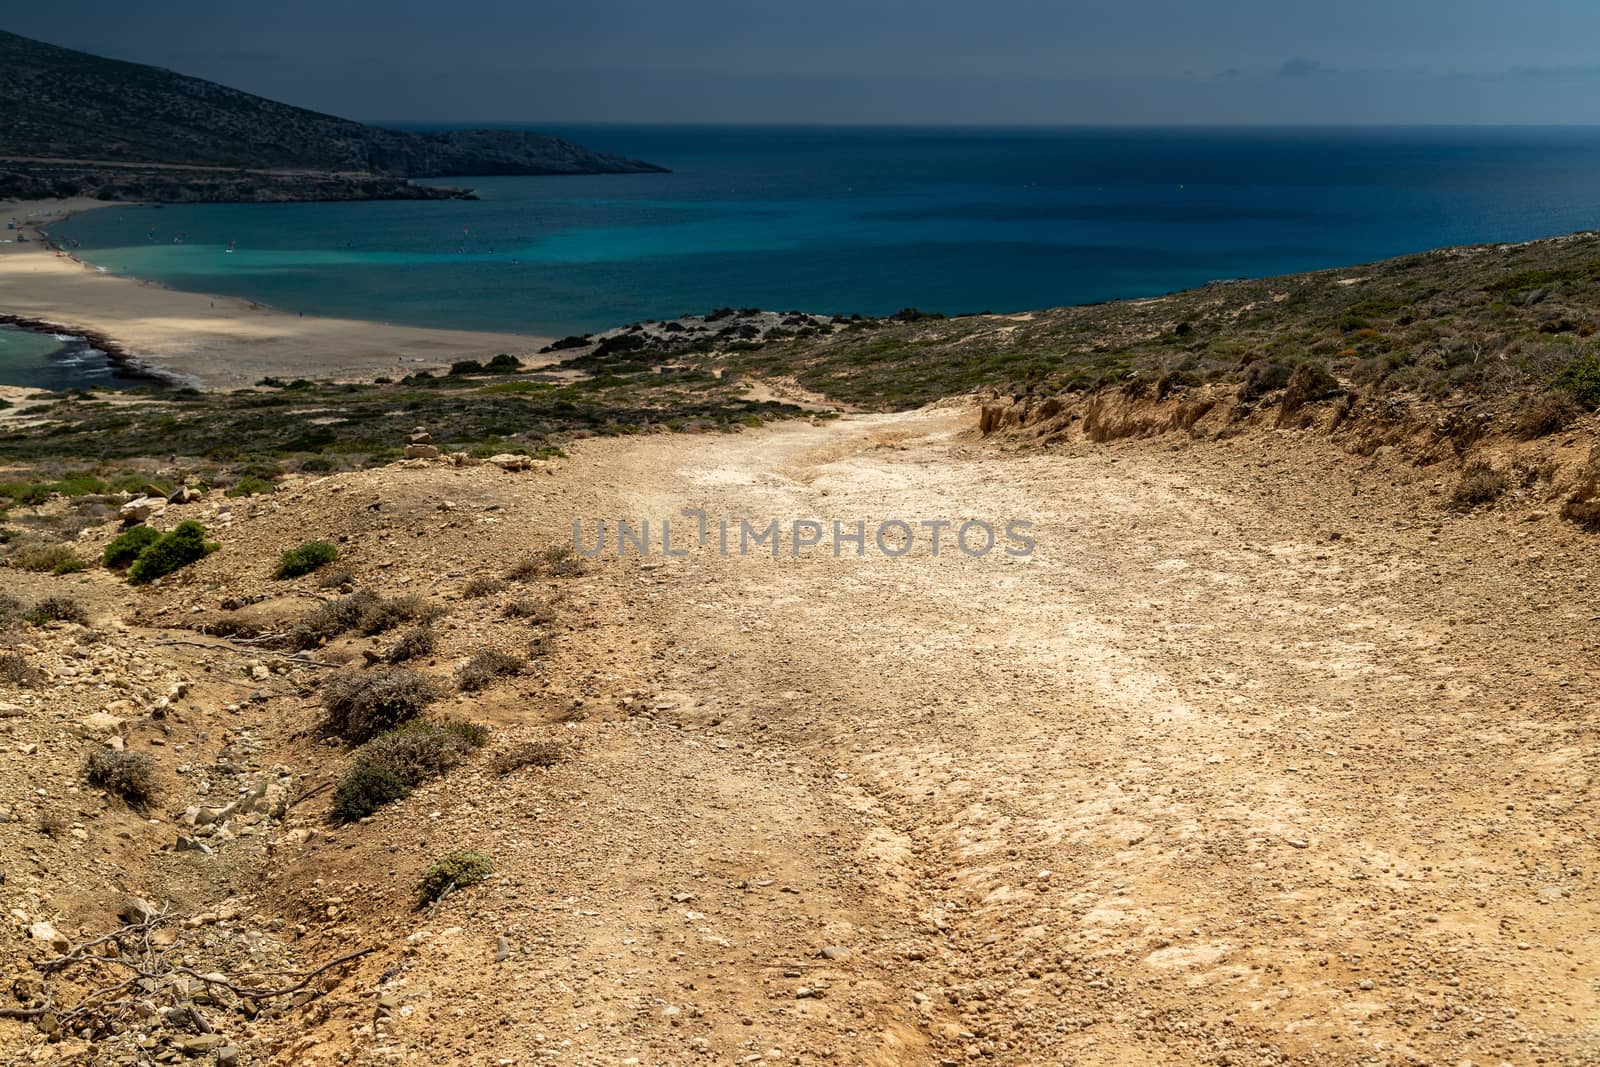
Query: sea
{"type": "Point", "coordinates": [868, 220]}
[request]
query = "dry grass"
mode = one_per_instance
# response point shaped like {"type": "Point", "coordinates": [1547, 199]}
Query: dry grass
{"type": "Point", "coordinates": [1479, 485]}
{"type": "Point", "coordinates": [129, 775]}
{"type": "Point", "coordinates": [485, 667]}
{"type": "Point", "coordinates": [361, 704]}
{"type": "Point", "coordinates": [527, 754]}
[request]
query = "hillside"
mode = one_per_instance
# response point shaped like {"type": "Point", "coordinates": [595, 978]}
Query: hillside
{"type": "Point", "coordinates": [116, 128]}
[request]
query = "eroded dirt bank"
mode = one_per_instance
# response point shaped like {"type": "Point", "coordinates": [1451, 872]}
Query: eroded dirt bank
{"type": "Point", "coordinates": [1262, 757]}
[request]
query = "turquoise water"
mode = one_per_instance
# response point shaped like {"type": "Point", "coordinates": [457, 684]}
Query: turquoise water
{"type": "Point", "coordinates": [870, 221]}
{"type": "Point", "coordinates": [54, 361]}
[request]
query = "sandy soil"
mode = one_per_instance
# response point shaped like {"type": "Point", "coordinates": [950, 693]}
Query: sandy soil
{"type": "Point", "coordinates": [1260, 759]}
{"type": "Point", "coordinates": [219, 342]}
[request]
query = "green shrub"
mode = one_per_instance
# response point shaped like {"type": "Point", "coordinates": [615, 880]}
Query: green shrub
{"type": "Point", "coordinates": [57, 609]}
{"type": "Point", "coordinates": [363, 704]}
{"type": "Point", "coordinates": [305, 558]}
{"type": "Point", "coordinates": [129, 775]}
{"type": "Point", "coordinates": [185, 544]}
{"type": "Point", "coordinates": [365, 789]}
{"type": "Point", "coordinates": [125, 547]}
{"type": "Point", "coordinates": [395, 762]}
{"type": "Point", "coordinates": [455, 871]}
{"type": "Point", "coordinates": [1581, 378]}
{"type": "Point", "coordinates": [250, 485]}
{"type": "Point", "coordinates": [73, 565]}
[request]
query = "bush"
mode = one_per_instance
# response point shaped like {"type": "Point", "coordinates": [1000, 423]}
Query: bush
{"type": "Point", "coordinates": [364, 790]}
{"type": "Point", "coordinates": [485, 666]}
{"type": "Point", "coordinates": [11, 609]}
{"type": "Point", "coordinates": [16, 670]}
{"type": "Point", "coordinates": [363, 611]}
{"type": "Point", "coordinates": [482, 586]}
{"type": "Point", "coordinates": [413, 644]}
{"type": "Point", "coordinates": [1262, 377]}
{"type": "Point", "coordinates": [361, 705]}
{"type": "Point", "coordinates": [1479, 485]}
{"type": "Point", "coordinates": [185, 544]}
{"type": "Point", "coordinates": [556, 561]}
{"type": "Point", "coordinates": [389, 612]}
{"type": "Point", "coordinates": [527, 754]}
{"type": "Point", "coordinates": [44, 559]}
{"type": "Point", "coordinates": [1581, 378]}
{"type": "Point", "coordinates": [305, 558]}
{"type": "Point", "coordinates": [334, 579]}
{"type": "Point", "coordinates": [250, 485]}
{"type": "Point", "coordinates": [57, 609]}
{"type": "Point", "coordinates": [125, 548]}
{"type": "Point", "coordinates": [455, 871]}
{"type": "Point", "coordinates": [1545, 415]}
{"type": "Point", "coordinates": [129, 775]}
{"type": "Point", "coordinates": [535, 609]}
{"type": "Point", "coordinates": [73, 565]}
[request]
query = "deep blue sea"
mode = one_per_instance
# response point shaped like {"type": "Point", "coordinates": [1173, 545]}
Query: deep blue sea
{"type": "Point", "coordinates": [870, 220]}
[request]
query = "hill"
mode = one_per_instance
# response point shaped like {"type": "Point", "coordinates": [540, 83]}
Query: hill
{"type": "Point", "coordinates": [80, 124]}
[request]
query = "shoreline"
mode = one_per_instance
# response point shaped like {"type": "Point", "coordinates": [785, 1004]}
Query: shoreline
{"type": "Point", "coordinates": [203, 340]}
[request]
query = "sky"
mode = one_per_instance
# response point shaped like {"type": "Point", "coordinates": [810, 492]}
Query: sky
{"type": "Point", "coordinates": [938, 62]}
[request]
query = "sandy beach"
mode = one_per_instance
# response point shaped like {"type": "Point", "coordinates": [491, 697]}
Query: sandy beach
{"type": "Point", "coordinates": [215, 342]}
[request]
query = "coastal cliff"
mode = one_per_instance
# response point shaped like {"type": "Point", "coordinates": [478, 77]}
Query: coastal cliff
{"type": "Point", "coordinates": [83, 125]}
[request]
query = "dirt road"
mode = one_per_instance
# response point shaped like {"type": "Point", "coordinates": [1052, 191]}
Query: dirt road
{"type": "Point", "coordinates": [1257, 759]}
{"type": "Point", "coordinates": [1261, 757]}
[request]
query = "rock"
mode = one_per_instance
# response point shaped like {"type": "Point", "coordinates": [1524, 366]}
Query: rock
{"type": "Point", "coordinates": [833, 952]}
{"type": "Point", "coordinates": [502, 949]}
{"type": "Point", "coordinates": [506, 461]}
{"type": "Point", "coordinates": [44, 931]}
{"type": "Point", "coordinates": [200, 1044]}
{"type": "Point", "coordinates": [421, 452]}
{"type": "Point", "coordinates": [192, 844]}
{"type": "Point", "coordinates": [227, 1055]}
{"type": "Point", "coordinates": [141, 507]}
{"type": "Point", "coordinates": [419, 436]}
{"type": "Point", "coordinates": [184, 495]}
{"type": "Point", "coordinates": [136, 910]}
{"type": "Point", "coordinates": [102, 724]}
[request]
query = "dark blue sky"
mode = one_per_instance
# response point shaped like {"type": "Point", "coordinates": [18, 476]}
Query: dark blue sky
{"type": "Point", "coordinates": [873, 61]}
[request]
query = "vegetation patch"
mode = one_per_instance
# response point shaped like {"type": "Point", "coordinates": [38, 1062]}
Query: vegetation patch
{"type": "Point", "coordinates": [1479, 485]}
{"type": "Point", "coordinates": [457, 870]}
{"type": "Point", "coordinates": [359, 705]}
{"type": "Point", "coordinates": [527, 754]}
{"type": "Point", "coordinates": [126, 547]}
{"type": "Point", "coordinates": [129, 775]}
{"type": "Point", "coordinates": [57, 609]}
{"type": "Point", "coordinates": [185, 544]}
{"type": "Point", "coordinates": [486, 666]}
{"type": "Point", "coordinates": [305, 558]}
{"type": "Point", "coordinates": [391, 765]}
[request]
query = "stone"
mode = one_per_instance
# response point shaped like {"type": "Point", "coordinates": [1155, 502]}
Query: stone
{"type": "Point", "coordinates": [502, 949]}
{"type": "Point", "coordinates": [141, 507]}
{"type": "Point", "coordinates": [200, 1044]}
{"type": "Point", "coordinates": [102, 724]}
{"type": "Point", "coordinates": [421, 452]}
{"type": "Point", "coordinates": [136, 910]}
{"type": "Point", "coordinates": [833, 952]}
{"type": "Point", "coordinates": [227, 1055]}
{"type": "Point", "coordinates": [44, 931]}
{"type": "Point", "coordinates": [508, 461]}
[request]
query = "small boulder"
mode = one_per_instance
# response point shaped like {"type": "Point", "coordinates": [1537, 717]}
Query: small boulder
{"type": "Point", "coordinates": [44, 931]}
{"type": "Point", "coordinates": [507, 461]}
{"type": "Point", "coordinates": [421, 452]}
{"type": "Point", "coordinates": [101, 724]}
{"type": "Point", "coordinates": [141, 508]}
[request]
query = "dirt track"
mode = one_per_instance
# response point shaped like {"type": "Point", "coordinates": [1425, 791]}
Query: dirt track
{"type": "Point", "coordinates": [1260, 758]}
{"type": "Point", "coordinates": [1251, 762]}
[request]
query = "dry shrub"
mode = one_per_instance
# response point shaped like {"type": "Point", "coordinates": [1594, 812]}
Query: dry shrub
{"type": "Point", "coordinates": [485, 666]}
{"type": "Point", "coordinates": [1307, 385]}
{"type": "Point", "coordinates": [1545, 415]}
{"type": "Point", "coordinates": [46, 559]}
{"type": "Point", "coordinates": [363, 611]}
{"type": "Point", "coordinates": [57, 609]}
{"type": "Point", "coordinates": [555, 561]}
{"type": "Point", "coordinates": [391, 765]}
{"type": "Point", "coordinates": [527, 754]}
{"type": "Point", "coordinates": [16, 670]}
{"type": "Point", "coordinates": [129, 775]}
{"type": "Point", "coordinates": [482, 586]}
{"type": "Point", "coordinates": [541, 610]}
{"type": "Point", "coordinates": [1583, 506]}
{"type": "Point", "coordinates": [415, 643]}
{"type": "Point", "coordinates": [1479, 485]}
{"type": "Point", "coordinates": [362, 704]}
{"type": "Point", "coordinates": [335, 578]}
